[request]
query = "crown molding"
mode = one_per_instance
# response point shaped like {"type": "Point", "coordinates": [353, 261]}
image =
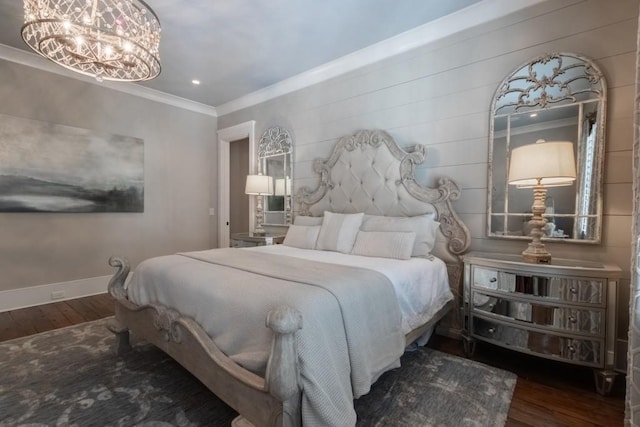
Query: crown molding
{"type": "Point", "coordinates": [474, 15]}
{"type": "Point", "coordinates": [33, 60]}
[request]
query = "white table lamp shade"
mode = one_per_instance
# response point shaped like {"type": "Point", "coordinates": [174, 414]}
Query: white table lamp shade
{"type": "Point", "coordinates": [261, 185]}
{"type": "Point", "coordinates": [283, 186]}
{"type": "Point", "coordinates": [551, 163]}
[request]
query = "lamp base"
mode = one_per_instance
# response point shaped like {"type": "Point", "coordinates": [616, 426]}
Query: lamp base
{"type": "Point", "coordinates": [536, 255]}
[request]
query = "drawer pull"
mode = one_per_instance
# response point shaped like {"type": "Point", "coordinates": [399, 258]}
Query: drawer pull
{"type": "Point", "coordinates": [573, 290]}
{"type": "Point", "coordinates": [490, 306]}
{"type": "Point", "coordinates": [493, 279]}
{"type": "Point", "coordinates": [571, 348]}
{"type": "Point", "coordinates": [491, 330]}
{"type": "Point", "coordinates": [572, 319]}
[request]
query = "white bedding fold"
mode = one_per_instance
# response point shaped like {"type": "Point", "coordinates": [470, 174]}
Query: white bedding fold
{"type": "Point", "coordinates": [371, 318]}
{"type": "Point", "coordinates": [421, 284]}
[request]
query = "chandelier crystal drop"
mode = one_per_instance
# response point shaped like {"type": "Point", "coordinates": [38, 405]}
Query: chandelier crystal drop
{"type": "Point", "coordinates": [115, 40]}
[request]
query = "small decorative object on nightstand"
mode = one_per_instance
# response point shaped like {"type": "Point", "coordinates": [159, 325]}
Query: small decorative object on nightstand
{"type": "Point", "coordinates": [564, 311]}
{"type": "Point", "coordinates": [241, 240]}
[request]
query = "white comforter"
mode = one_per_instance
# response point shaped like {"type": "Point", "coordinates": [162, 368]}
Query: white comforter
{"type": "Point", "coordinates": [234, 316]}
{"type": "Point", "coordinates": [421, 285]}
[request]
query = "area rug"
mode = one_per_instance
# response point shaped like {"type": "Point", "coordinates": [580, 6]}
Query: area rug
{"type": "Point", "coordinates": [72, 377]}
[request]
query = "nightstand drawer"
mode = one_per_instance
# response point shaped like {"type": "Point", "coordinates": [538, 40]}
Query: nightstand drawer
{"type": "Point", "coordinates": [557, 288]}
{"type": "Point", "coordinates": [583, 351]}
{"type": "Point", "coordinates": [554, 317]}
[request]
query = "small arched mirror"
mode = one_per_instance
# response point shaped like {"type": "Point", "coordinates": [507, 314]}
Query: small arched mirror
{"type": "Point", "coordinates": [274, 154]}
{"type": "Point", "coordinates": [555, 97]}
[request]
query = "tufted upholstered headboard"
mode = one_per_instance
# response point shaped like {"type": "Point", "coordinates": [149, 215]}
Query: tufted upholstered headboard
{"type": "Point", "coordinates": [368, 172]}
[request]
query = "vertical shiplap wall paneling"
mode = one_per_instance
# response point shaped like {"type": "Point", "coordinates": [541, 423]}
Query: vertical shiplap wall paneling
{"type": "Point", "coordinates": [439, 95]}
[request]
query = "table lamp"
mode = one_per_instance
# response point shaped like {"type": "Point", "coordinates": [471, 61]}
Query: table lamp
{"type": "Point", "coordinates": [539, 166]}
{"type": "Point", "coordinates": [259, 186]}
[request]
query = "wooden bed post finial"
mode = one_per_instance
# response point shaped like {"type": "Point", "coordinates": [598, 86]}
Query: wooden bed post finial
{"type": "Point", "coordinates": [116, 284]}
{"type": "Point", "coordinates": [283, 371]}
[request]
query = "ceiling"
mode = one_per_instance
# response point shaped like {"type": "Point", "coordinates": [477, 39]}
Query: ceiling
{"type": "Point", "coordinates": [238, 47]}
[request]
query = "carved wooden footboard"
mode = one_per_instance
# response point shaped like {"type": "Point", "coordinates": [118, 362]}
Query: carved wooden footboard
{"type": "Point", "coordinates": [270, 401]}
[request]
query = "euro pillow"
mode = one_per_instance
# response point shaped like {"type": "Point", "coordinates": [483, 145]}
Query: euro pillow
{"type": "Point", "coordinates": [384, 244]}
{"type": "Point", "coordinates": [338, 232]}
{"type": "Point", "coordinates": [302, 236]}
{"type": "Point", "coordinates": [307, 220]}
{"type": "Point", "coordinates": [425, 227]}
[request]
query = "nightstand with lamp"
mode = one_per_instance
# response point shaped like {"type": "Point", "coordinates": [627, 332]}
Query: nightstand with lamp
{"type": "Point", "coordinates": [559, 309]}
{"type": "Point", "coordinates": [260, 186]}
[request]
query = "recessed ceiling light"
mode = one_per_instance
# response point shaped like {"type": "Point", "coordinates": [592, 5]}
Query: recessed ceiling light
{"type": "Point", "coordinates": [195, 81]}
{"type": "Point", "coordinates": [533, 115]}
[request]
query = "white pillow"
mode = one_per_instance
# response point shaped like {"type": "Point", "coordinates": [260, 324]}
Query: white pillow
{"type": "Point", "coordinates": [424, 226]}
{"type": "Point", "coordinates": [338, 232]}
{"type": "Point", "coordinates": [384, 244]}
{"type": "Point", "coordinates": [302, 236]}
{"type": "Point", "coordinates": [307, 220]}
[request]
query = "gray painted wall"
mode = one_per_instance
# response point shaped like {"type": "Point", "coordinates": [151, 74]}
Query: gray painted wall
{"type": "Point", "coordinates": [439, 95]}
{"type": "Point", "coordinates": [180, 159]}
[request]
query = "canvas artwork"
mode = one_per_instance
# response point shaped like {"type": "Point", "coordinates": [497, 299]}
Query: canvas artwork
{"type": "Point", "coordinates": [46, 167]}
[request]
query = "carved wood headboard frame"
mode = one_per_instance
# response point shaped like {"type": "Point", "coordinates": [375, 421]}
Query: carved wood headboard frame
{"type": "Point", "coordinates": [368, 172]}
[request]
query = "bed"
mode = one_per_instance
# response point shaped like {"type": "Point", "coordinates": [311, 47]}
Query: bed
{"type": "Point", "coordinates": [332, 296]}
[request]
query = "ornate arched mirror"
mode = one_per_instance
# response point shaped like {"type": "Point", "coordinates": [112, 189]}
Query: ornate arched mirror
{"type": "Point", "coordinates": [554, 97]}
{"type": "Point", "coordinates": [274, 154]}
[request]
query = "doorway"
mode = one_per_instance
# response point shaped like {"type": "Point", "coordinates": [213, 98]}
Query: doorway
{"type": "Point", "coordinates": [226, 136]}
{"type": "Point", "coordinates": [238, 200]}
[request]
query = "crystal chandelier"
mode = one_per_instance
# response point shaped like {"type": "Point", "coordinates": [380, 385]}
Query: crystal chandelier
{"type": "Point", "coordinates": [114, 40]}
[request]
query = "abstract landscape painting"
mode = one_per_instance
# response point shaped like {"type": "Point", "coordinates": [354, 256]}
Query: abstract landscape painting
{"type": "Point", "coordinates": [46, 167]}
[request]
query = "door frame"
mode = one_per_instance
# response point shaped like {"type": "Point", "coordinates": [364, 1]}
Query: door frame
{"type": "Point", "coordinates": [225, 137]}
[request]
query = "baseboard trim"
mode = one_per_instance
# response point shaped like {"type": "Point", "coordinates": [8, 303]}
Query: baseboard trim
{"type": "Point", "coordinates": [53, 292]}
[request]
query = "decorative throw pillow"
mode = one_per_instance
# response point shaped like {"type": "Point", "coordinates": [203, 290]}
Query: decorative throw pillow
{"type": "Point", "coordinates": [424, 226]}
{"type": "Point", "coordinates": [302, 236]}
{"type": "Point", "coordinates": [384, 244]}
{"type": "Point", "coordinates": [338, 232]}
{"type": "Point", "coordinates": [307, 220]}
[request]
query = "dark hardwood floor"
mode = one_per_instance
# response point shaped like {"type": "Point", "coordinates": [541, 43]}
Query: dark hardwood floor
{"type": "Point", "coordinates": [547, 393]}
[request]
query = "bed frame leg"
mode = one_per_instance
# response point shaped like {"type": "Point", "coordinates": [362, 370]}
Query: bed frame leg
{"type": "Point", "coordinates": [123, 345]}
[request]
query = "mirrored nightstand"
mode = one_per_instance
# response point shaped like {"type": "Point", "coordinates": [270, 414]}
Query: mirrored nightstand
{"type": "Point", "coordinates": [243, 240]}
{"type": "Point", "coordinates": [564, 311]}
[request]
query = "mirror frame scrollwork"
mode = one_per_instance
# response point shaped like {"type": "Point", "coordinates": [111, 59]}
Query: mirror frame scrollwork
{"type": "Point", "coordinates": [274, 142]}
{"type": "Point", "coordinates": [544, 85]}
